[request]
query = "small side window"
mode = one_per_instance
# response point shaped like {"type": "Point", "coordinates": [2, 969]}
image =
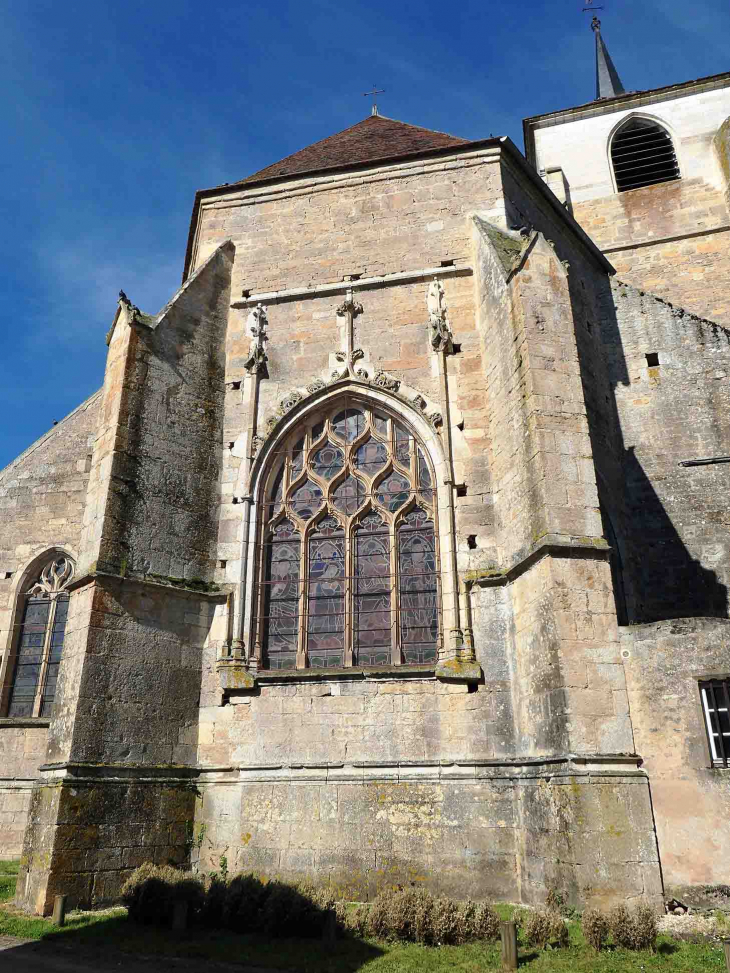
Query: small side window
{"type": "Point", "coordinates": [716, 706]}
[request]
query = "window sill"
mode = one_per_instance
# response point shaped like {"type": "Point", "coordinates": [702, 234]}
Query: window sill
{"type": "Point", "coordinates": [24, 721]}
{"type": "Point", "coordinates": [427, 671]}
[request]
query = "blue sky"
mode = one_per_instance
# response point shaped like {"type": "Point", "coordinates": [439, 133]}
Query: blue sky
{"type": "Point", "coordinates": [115, 111]}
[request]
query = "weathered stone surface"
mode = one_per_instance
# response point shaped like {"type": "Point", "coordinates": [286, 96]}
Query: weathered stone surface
{"type": "Point", "coordinates": [497, 777]}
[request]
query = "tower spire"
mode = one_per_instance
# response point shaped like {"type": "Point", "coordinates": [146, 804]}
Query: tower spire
{"type": "Point", "coordinates": [608, 83]}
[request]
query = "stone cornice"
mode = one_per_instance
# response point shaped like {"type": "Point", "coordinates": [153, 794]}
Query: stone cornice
{"type": "Point", "coordinates": [552, 545]}
{"type": "Point", "coordinates": [147, 581]}
{"type": "Point", "coordinates": [8, 722]}
{"type": "Point", "coordinates": [517, 770]}
{"type": "Point", "coordinates": [364, 283]}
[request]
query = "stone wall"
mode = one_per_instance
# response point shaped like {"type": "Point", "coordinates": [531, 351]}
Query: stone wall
{"type": "Point", "coordinates": [116, 785]}
{"type": "Point", "coordinates": [672, 238]}
{"type": "Point", "coordinates": [42, 496]}
{"type": "Point", "coordinates": [22, 749]}
{"type": "Point", "coordinates": [465, 828]}
{"type": "Point", "coordinates": [689, 264]}
{"type": "Point", "coordinates": [365, 776]}
{"type": "Point", "coordinates": [663, 664]}
{"type": "Point", "coordinates": [671, 521]}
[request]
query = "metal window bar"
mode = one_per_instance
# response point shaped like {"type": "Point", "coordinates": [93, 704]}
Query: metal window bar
{"type": "Point", "coordinates": [643, 156]}
{"type": "Point", "coordinates": [719, 746]}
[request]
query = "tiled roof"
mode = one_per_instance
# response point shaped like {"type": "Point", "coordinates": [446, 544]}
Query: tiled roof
{"type": "Point", "coordinates": [375, 138]}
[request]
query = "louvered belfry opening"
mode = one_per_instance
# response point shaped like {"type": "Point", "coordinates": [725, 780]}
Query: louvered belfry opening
{"type": "Point", "coordinates": [642, 154]}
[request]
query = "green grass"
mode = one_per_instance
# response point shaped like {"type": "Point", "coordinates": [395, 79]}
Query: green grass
{"type": "Point", "coordinates": [8, 874]}
{"type": "Point", "coordinates": [100, 931]}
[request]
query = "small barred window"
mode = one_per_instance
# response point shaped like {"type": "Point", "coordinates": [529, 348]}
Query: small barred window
{"type": "Point", "coordinates": [716, 705]}
{"type": "Point", "coordinates": [642, 154]}
{"type": "Point", "coordinates": [40, 641]}
{"type": "Point", "coordinates": [348, 565]}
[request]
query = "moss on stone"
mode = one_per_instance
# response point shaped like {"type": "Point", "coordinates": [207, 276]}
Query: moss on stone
{"type": "Point", "coordinates": [192, 584]}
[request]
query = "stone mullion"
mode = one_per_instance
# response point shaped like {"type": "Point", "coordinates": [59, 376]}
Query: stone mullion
{"type": "Point", "coordinates": [302, 654]}
{"type": "Point", "coordinates": [44, 659]}
{"type": "Point", "coordinates": [348, 605]}
{"type": "Point", "coordinates": [396, 648]}
{"type": "Point", "coordinates": [261, 597]}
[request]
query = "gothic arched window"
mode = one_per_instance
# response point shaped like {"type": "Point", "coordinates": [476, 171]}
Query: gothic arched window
{"type": "Point", "coordinates": [642, 154]}
{"type": "Point", "coordinates": [348, 567]}
{"type": "Point", "coordinates": [40, 640]}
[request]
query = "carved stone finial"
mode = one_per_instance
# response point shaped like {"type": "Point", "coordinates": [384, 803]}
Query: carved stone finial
{"type": "Point", "coordinates": [349, 306]}
{"type": "Point", "coordinates": [441, 336]}
{"type": "Point", "coordinates": [257, 321]}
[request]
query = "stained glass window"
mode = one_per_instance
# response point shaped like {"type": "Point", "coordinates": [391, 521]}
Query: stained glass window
{"type": "Point", "coordinates": [418, 588]}
{"type": "Point", "coordinates": [40, 641]}
{"type": "Point", "coordinates": [282, 595]}
{"type": "Point", "coordinates": [326, 596]}
{"type": "Point", "coordinates": [373, 592]}
{"type": "Point", "coordinates": [348, 567]}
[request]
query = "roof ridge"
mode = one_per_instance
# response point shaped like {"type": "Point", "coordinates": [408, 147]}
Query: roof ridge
{"type": "Point", "coordinates": [373, 138]}
{"type": "Point", "coordinates": [420, 128]}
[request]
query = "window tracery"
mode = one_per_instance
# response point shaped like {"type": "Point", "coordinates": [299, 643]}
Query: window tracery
{"type": "Point", "coordinates": [40, 640]}
{"type": "Point", "coordinates": [348, 568]}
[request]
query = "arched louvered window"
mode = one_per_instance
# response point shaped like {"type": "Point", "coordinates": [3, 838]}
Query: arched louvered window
{"type": "Point", "coordinates": [348, 565]}
{"type": "Point", "coordinates": [642, 154]}
{"type": "Point", "coordinates": [40, 640]}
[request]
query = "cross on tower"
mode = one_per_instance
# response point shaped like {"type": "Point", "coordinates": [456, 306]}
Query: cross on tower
{"type": "Point", "coordinates": [374, 92]}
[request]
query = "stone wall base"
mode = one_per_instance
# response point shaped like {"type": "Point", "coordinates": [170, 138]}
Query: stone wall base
{"type": "Point", "coordinates": [89, 828]}
{"type": "Point", "coordinates": [14, 807]}
{"type": "Point", "coordinates": [499, 831]}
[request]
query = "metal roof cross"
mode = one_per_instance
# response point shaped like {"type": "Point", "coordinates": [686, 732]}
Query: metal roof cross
{"type": "Point", "coordinates": [374, 92]}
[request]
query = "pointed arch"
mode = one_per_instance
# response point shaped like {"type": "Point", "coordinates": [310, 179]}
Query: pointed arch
{"type": "Point", "coordinates": [345, 473]}
{"type": "Point", "coordinates": [40, 608]}
{"type": "Point", "coordinates": [642, 152]}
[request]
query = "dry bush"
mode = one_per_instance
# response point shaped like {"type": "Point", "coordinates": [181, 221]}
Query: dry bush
{"type": "Point", "coordinates": [354, 919]}
{"type": "Point", "coordinates": [404, 914]}
{"type": "Point", "coordinates": [486, 924]}
{"type": "Point", "coordinates": [151, 891]}
{"type": "Point", "coordinates": [595, 928]}
{"type": "Point", "coordinates": [414, 915]}
{"type": "Point", "coordinates": [288, 912]}
{"type": "Point", "coordinates": [545, 927]}
{"type": "Point", "coordinates": [633, 928]}
{"type": "Point", "coordinates": [244, 899]}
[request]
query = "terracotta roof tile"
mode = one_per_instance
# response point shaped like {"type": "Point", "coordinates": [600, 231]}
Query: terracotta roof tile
{"type": "Point", "coordinates": [373, 139]}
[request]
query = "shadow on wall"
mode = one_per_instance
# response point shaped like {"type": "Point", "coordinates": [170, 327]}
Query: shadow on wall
{"type": "Point", "coordinates": [655, 576]}
{"type": "Point", "coordinates": [667, 581]}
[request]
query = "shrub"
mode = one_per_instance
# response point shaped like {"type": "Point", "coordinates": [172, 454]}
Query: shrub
{"type": "Point", "coordinates": [245, 898]}
{"type": "Point", "coordinates": [213, 910]}
{"type": "Point", "coordinates": [354, 919]}
{"type": "Point", "coordinates": [633, 928]}
{"type": "Point", "coordinates": [287, 912]}
{"type": "Point", "coordinates": [486, 924]}
{"type": "Point", "coordinates": [151, 891]}
{"type": "Point", "coordinates": [595, 928]}
{"type": "Point", "coordinates": [446, 923]}
{"type": "Point", "coordinates": [414, 915]}
{"type": "Point", "coordinates": [546, 927]}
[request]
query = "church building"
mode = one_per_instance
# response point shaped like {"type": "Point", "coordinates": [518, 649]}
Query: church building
{"type": "Point", "coordinates": [396, 547]}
